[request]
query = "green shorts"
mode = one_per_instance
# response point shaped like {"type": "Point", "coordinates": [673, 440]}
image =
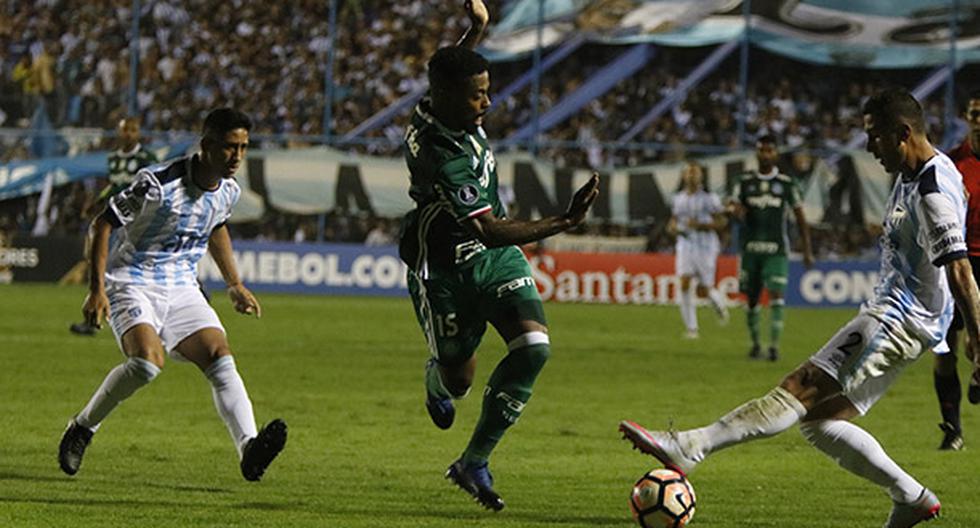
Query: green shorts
{"type": "Point", "coordinates": [454, 306]}
{"type": "Point", "coordinates": [756, 271]}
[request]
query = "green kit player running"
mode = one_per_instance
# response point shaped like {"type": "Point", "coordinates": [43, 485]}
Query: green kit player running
{"type": "Point", "coordinates": [464, 267]}
{"type": "Point", "coordinates": [760, 202]}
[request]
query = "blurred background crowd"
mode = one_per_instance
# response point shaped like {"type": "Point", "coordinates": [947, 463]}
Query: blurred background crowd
{"type": "Point", "coordinates": [268, 59]}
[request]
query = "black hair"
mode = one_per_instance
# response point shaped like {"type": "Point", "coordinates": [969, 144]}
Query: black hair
{"type": "Point", "coordinates": [766, 139]}
{"type": "Point", "coordinates": [893, 106]}
{"type": "Point", "coordinates": [220, 121]}
{"type": "Point", "coordinates": [451, 65]}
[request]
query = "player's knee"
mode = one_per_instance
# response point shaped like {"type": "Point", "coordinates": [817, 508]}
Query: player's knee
{"type": "Point", "coordinates": [142, 369]}
{"type": "Point", "coordinates": [152, 355]}
{"type": "Point", "coordinates": [534, 349]}
{"type": "Point", "coordinates": [810, 385]}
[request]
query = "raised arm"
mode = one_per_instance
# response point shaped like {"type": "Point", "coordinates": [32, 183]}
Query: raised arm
{"type": "Point", "coordinates": [804, 236]}
{"type": "Point", "coordinates": [479, 18]}
{"type": "Point", "coordinates": [219, 245]}
{"type": "Point", "coordinates": [497, 232]}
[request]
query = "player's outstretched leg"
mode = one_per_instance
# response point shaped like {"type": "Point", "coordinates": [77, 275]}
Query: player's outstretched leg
{"type": "Point", "coordinates": [855, 450]}
{"type": "Point", "coordinates": [662, 445]}
{"type": "Point", "coordinates": [438, 400]}
{"type": "Point", "coordinates": [682, 451]}
{"type": "Point", "coordinates": [260, 451]}
{"type": "Point", "coordinates": [231, 400]}
{"type": "Point", "coordinates": [119, 384]}
{"type": "Point", "coordinates": [477, 481]}
{"type": "Point", "coordinates": [507, 392]}
{"type": "Point", "coordinates": [72, 447]}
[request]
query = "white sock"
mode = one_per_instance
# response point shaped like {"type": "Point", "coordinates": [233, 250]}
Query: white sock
{"type": "Point", "coordinates": [689, 303]}
{"type": "Point", "coordinates": [717, 301]}
{"type": "Point", "coordinates": [119, 384]}
{"type": "Point", "coordinates": [682, 301]}
{"type": "Point", "coordinates": [231, 401]}
{"type": "Point", "coordinates": [855, 450]}
{"type": "Point", "coordinates": [759, 418]}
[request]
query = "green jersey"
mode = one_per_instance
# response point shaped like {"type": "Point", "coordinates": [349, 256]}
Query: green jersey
{"type": "Point", "coordinates": [123, 167]}
{"type": "Point", "coordinates": [453, 179]}
{"type": "Point", "coordinates": [766, 199]}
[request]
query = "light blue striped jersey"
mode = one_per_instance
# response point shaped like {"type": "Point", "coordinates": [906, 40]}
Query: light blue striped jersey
{"type": "Point", "coordinates": [923, 231]}
{"type": "Point", "coordinates": [698, 207]}
{"type": "Point", "coordinates": [163, 222]}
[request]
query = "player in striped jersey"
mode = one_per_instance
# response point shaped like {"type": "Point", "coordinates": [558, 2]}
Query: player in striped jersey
{"type": "Point", "coordinates": [145, 284]}
{"type": "Point", "coordinates": [123, 164]}
{"type": "Point", "coordinates": [923, 269]}
{"type": "Point", "coordinates": [697, 217]}
{"type": "Point", "coordinates": [465, 268]}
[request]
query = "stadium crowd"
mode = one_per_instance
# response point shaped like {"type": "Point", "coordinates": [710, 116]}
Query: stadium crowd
{"type": "Point", "coordinates": [269, 59]}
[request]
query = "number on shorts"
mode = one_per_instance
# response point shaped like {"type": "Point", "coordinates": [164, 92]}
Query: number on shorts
{"type": "Point", "coordinates": [446, 325]}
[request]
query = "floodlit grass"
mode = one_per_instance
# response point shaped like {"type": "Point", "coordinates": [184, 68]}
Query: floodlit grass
{"type": "Point", "coordinates": [346, 374]}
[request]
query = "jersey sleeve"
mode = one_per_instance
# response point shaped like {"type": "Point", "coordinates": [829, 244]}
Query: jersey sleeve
{"type": "Point", "coordinates": [233, 195]}
{"type": "Point", "coordinates": [128, 204]}
{"type": "Point", "coordinates": [794, 196]}
{"type": "Point", "coordinates": [459, 186]}
{"type": "Point", "coordinates": [675, 205]}
{"type": "Point", "coordinates": [941, 227]}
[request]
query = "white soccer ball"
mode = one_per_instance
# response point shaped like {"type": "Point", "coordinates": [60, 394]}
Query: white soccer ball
{"type": "Point", "coordinates": [662, 498]}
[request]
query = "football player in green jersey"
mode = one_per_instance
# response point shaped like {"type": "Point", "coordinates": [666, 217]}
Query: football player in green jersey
{"type": "Point", "coordinates": [760, 202]}
{"type": "Point", "coordinates": [124, 163]}
{"type": "Point", "coordinates": [465, 268]}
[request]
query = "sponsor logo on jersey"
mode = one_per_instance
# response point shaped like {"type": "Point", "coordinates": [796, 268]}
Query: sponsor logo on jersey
{"type": "Point", "coordinates": [765, 200]}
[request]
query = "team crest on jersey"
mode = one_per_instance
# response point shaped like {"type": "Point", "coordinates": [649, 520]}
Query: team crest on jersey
{"type": "Point", "coordinates": [468, 194]}
{"type": "Point", "coordinates": [897, 214]}
{"type": "Point", "coordinates": [764, 186]}
{"type": "Point", "coordinates": [777, 187]}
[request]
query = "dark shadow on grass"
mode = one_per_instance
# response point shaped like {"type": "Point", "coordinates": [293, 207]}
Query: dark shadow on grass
{"type": "Point", "coordinates": [509, 514]}
{"type": "Point", "coordinates": [139, 503]}
{"type": "Point", "coordinates": [182, 487]}
{"type": "Point", "coordinates": [270, 506]}
{"type": "Point", "coordinates": [7, 475]}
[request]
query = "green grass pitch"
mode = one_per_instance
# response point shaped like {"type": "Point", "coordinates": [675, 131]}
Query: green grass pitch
{"type": "Point", "coordinates": [346, 374]}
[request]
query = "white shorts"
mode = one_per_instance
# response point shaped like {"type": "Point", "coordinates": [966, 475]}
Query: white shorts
{"type": "Point", "coordinates": [865, 357]}
{"type": "Point", "coordinates": [174, 312]}
{"type": "Point", "coordinates": [696, 263]}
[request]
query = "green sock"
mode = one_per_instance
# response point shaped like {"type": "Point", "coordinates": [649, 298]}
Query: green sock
{"type": "Point", "coordinates": [507, 392]}
{"type": "Point", "coordinates": [433, 381]}
{"type": "Point", "coordinates": [776, 322]}
{"type": "Point", "coordinates": [752, 317]}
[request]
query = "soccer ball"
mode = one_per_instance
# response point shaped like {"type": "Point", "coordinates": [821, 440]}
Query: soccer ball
{"type": "Point", "coordinates": [662, 498]}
